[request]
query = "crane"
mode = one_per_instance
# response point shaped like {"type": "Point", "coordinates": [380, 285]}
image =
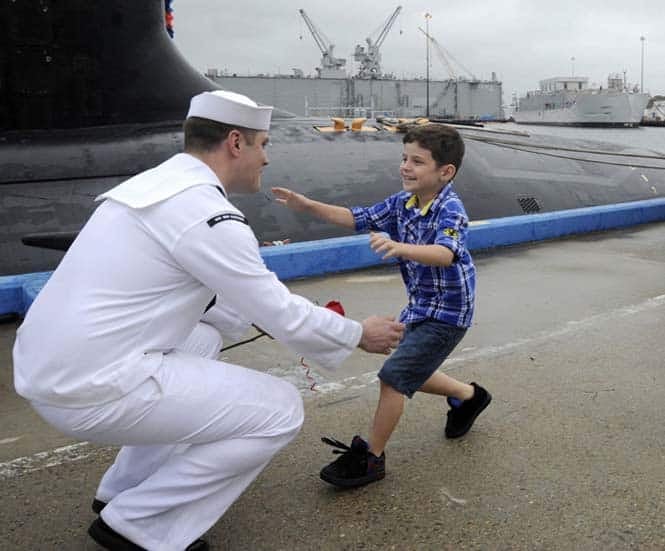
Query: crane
{"type": "Point", "coordinates": [370, 58]}
{"type": "Point", "coordinates": [446, 57]}
{"type": "Point", "coordinates": [331, 66]}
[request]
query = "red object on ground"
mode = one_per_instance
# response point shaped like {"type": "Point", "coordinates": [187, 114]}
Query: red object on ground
{"type": "Point", "coordinates": [336, 307]}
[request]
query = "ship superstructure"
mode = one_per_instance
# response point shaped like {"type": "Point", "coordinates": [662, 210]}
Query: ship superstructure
{"type": "Point", "coordinates": [370, 91]}
{"type": "Point", "coordinates": [458, 99]}
{"type": "Point", "coordinates": [568, 101]}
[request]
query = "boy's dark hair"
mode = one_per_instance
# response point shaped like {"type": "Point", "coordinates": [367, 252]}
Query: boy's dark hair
{"type": "Point", "coordinates": [444, 142]}
{"type": "Point", "coordinates": [203, 135]}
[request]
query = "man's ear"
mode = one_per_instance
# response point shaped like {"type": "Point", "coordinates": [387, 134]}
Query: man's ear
{"type": "Point", "coordinates": [233, 142]}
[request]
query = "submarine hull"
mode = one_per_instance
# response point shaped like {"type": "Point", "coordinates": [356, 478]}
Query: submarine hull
{"type": "Point", "coordinates": [90, 97]}
{"type": "Point", "coordinates": [50, 186]}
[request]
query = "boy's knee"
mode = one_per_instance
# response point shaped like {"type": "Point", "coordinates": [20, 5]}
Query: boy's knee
{"type": "Point", "coordinates": [394, 382]}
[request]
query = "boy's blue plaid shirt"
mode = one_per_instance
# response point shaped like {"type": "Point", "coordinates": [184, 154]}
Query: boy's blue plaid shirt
{"type": "Point", "coordinates": [434, 292]}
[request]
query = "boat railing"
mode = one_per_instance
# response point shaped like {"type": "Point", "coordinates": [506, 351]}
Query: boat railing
{"type": "Point", "coordinates": [347, 111]}
{"type": "Point", "coordinates": [583, 92]}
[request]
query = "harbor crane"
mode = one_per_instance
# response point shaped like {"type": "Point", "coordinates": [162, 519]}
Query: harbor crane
{"type": "Point", "coordinates": [446, 57]}
{"type": "Point", "coordinates": [370, 58]}
{"type": "Point", "coordinates": [331, 66]}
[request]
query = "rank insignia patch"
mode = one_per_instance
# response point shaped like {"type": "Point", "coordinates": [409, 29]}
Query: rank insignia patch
{"type": "Point", "coordinates": [227, 216]}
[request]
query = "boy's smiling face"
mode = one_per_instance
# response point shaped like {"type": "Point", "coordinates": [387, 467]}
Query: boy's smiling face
{"type": "Point", "coordinates": [420, 173]}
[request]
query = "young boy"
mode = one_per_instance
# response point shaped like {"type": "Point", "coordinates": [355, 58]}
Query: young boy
{"type": "Point", "coordinates": [427, 225]}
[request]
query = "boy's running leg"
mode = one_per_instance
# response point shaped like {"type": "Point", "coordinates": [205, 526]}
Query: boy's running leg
{"type": "Point", "coordinates": [467, 406]}
{"type": "Point", "coordinates": [363, 462]}
{"type": "Point", "coordinates": [444, 385]}
{"type": "Point", "coordinates": [387, 415]}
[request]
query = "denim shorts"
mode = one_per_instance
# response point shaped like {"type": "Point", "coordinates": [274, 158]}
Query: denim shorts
{"type": "Point", "coordinates": [424, 347]}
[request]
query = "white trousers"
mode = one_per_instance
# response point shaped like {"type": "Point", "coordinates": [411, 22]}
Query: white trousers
{"type": "Point", "coordinates": [194, 436]}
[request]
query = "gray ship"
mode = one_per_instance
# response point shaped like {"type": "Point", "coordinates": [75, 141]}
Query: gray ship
{"type": "Point", "coordinates": [458, 99]}
{"type": "Point", "coordinates": [78, 115]}
{"type": "Point", "coordinates": [568, 101]}
{"type": "Point", "coordinates": [369, 91]}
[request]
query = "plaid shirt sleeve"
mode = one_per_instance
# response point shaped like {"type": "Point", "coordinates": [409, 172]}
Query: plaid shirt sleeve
{"type": "Point", "coordinates": [378, 217]}
{"type": "Point", "coordinates": [452, 227]}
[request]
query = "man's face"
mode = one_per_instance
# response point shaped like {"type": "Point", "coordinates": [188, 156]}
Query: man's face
{"type": "Point", "coordinates": [253, 157]}
{"type": "Point", "coordinates": [419, 171]}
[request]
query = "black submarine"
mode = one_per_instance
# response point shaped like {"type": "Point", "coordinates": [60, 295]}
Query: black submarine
{"type": "Point", "coordinates": [92, 94]}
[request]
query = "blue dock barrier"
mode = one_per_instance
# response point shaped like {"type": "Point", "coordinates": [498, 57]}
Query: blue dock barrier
{"type": "Point", "coordinates": [316, 258]}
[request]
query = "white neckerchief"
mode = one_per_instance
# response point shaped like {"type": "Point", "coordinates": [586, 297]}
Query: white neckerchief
{"type": "Point", "coordinates": [173, 176]}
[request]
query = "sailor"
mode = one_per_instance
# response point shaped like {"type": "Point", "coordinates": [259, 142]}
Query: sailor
{"type": "Point", "coordinates": [113, 349]}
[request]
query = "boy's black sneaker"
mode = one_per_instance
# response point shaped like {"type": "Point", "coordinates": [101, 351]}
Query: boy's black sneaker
{"type": "Point", "coordinates": [356, 466]}
{"type": "Point", "coordinates": [461, 418]}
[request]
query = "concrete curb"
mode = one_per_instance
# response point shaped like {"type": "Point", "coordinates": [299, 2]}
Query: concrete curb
{"type": "Point", "coordinates": [315, 258]}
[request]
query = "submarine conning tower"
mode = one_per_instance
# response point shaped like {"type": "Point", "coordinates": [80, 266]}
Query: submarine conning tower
{"type": "Point", "coordinates": [76, 63]}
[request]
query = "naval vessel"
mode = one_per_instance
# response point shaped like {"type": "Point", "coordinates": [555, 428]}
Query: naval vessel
{"type": "Point", "coordinates": [369, 90]}
{"type": "Point", "coordinates": [568, 101]}
{"type": "Point", "coordinates": [453, 99]}
{"type": "Point", "coordinates": [78, 115]}
{"type": "Point", "coordinates": [654, 114]}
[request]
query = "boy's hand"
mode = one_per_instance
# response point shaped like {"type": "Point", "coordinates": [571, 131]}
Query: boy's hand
{"type": "Point", "coordinates": [382, 245]}
{"type": "Point", "coordinates": [290, 199]}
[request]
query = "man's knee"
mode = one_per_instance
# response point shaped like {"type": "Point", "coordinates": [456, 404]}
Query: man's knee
{"type": "Point", "coordinates": [289, 404]}
{"type": "Point", "coordinates": [204, 341]}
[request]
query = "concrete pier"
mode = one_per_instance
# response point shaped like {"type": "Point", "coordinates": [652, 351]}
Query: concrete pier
{"type": "Point", "coordinates": [569, 337]}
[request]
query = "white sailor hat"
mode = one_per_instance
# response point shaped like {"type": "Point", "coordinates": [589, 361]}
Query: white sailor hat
{"type": "Point", "coordinates": [230, 108]}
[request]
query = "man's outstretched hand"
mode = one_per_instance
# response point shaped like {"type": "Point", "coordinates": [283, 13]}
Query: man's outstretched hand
{"type": "Point", "coordinates": [380, 334]}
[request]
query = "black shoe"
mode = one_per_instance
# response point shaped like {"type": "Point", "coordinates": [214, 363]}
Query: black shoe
{"type": "Point", "coordinates": [461, 418]}
{"type": "Point", "coordinates": [97, 506]}
{"type": "Point", "coordinates": [356, 465]}
{"type": "Point", "coordinates": [108, 538]}
{"type": "Point", "coordinates": [103, 531]}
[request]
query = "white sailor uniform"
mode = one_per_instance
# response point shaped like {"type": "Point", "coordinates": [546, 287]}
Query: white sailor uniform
{"type": "Point", "coordinates": [113, 351]}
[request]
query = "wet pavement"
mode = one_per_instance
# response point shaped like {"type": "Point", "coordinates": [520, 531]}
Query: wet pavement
{"type": "Point", "coordinates": [569, 337]}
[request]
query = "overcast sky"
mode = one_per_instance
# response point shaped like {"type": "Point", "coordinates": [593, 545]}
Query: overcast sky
{"type": "Point", "coordinates": [522, 41]}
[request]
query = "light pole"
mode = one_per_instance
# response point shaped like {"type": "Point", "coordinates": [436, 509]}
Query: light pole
{"type": "Point", "coordinates": [642, 39]}
{"type": "Point", "coordinates": [572, 64]}
{"type": "Point", "coordinates": [428, 16]}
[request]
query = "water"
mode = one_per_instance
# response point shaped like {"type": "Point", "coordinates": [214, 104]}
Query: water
{"type": "Point", "coordinates": [646, 138]}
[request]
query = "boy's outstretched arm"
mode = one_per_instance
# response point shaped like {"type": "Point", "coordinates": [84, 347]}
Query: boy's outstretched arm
{"type": "Point", "coordinates": [430, 255]}
{"type": "Point", "coordinates": [341, 216]}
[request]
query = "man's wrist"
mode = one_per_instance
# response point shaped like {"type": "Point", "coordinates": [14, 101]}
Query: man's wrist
{"type": "Point", "coordinates": [359, 333]}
